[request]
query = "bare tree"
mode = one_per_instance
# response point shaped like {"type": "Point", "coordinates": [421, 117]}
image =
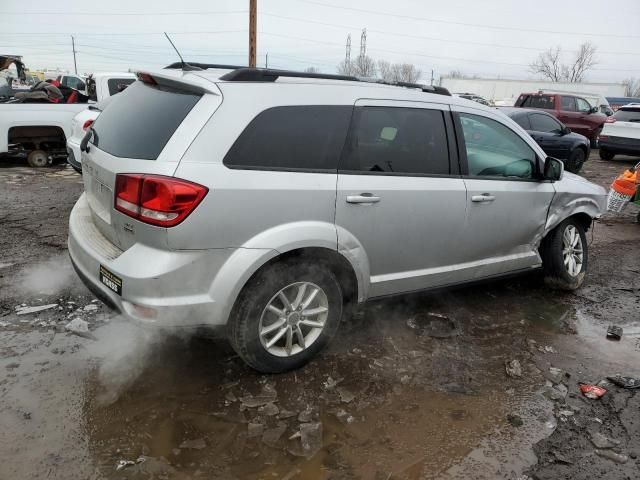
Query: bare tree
{"type": "Point", "coordinates": [631, 87]}
{"type": "Point", "coordinates": [407, 72]}
{"type": "Point", "coordinates": [346, 68]}
{"type": "Point", "coordinates": [385, 71]}
{"type": "Point", "coordinates": [312, 70]}
{"type": "Point", "coordinates": [549, 64]}
{"type": "Point", "coordinates": [364, 66]}
{"type": "Point", "coordinates": [455, 74]}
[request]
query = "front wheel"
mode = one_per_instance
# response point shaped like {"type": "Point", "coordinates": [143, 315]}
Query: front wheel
{"type": "Point", "coordinates": [564, 256]}
{"type": "Point", "coordinates": [576, 160]}
{"type": "Point", "coordinates": [285, 315]}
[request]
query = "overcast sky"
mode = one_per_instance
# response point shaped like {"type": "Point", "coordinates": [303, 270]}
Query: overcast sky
{"type": "Point", "coordinates": [496, 38]}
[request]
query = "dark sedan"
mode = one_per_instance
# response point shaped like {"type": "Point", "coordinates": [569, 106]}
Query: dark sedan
{"type": "Point", "coordinates": [556, 139]}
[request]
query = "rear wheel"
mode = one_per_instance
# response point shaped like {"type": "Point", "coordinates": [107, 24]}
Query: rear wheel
{"type": "Point", "coordinates": [285, 315]}
{"type": "Point", "coordinates": [564, 255]}
{"type": "Point", "coordinates": [576, 160]}
{"type": "Point", "coordinates": [38, 159]}
{"type": "Point", "coordinates": [606, 155]}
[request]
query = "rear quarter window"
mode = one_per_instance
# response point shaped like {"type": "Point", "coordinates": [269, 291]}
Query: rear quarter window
{"type": "Point", "coordinates": [308, 137]}
{"type": "Point", "coordinates": [140, 121]}
{"type": "Point", "coordinates": [117, 85]}
{"type": "Point", "coordinates": [628, 115]}
{"type": "Point", "coordinates": [539, 101]}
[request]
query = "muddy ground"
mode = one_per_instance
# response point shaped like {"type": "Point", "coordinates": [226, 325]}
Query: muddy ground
{"type": "Point", "coordinates": [413, 387]}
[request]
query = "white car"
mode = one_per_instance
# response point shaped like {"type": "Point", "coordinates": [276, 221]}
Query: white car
{"type": "Point", "coordinates": [41, 130]}
{"type": "Point", "coordinates": [79, 126]}
{"type": "Point", "coordinates": [621, 133]}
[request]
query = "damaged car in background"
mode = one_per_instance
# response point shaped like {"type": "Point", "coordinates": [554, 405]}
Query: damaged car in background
{"type": "Point", "coordinates": [273, 202]}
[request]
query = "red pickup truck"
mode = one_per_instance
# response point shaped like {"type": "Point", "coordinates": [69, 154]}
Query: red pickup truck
{"type": "Point", "coordinates": [575, 112]}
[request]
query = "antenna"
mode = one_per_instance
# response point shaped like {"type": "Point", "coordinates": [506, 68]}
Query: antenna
{"type": "Point", "coordinates": [185, 65]}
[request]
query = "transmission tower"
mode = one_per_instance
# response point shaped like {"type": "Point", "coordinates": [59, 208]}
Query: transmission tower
{"type": "Point", "coordinates": [363, 43]}
{"type": "Point", "coordinates": [347, 57]}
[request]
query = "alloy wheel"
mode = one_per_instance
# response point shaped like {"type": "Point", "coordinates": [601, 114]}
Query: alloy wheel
{"type": "Point", "coordinates": [293, 319]}
{"type": "Point", "coordinates": [572, 250]}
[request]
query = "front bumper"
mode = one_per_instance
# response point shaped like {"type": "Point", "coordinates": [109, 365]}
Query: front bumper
{"type": "Point", "coordinates": [177, 286]}
{"type": "Point", "coordinates": [625, 146]}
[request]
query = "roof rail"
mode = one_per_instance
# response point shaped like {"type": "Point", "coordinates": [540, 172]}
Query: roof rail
{"type": "Point", "coordinates": [203, 66]}
{"type": "Point", "coordinates": [246, 74]}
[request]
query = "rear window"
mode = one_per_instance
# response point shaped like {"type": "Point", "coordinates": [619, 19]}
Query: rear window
{"type": "Point", "coordinates": [628, 115]}
{"type": "Point", "coordinates": [117, 85]}
{"type": "Point", "coordinates": [140, 121]}
{"type": "Point", "coordinates": [539, 101]}
{"type": "Point", "coordinates": [308, 137]}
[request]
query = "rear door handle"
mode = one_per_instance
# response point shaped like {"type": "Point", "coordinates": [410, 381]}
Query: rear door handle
{"type": "Point", "coordinates": [363, 198]}
{"type": "Point", "coordinates": [485, 197]}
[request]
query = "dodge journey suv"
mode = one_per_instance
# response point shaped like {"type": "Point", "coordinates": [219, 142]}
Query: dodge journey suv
{"type": "Point", "coordinates": [272, 202]}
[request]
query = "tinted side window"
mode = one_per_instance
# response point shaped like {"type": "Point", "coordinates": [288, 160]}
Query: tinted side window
{"type": "Point", "coordinates": [397, 140]}
{"type": "Point", "coordinates": [544, 123]}
{"type": "Point", "coordinates": [116, 85]}
{"type": "Point", "coordinates": [494, 150]}
{"type": "Point", "coordinates": [308, 137]}
{"type": "Point", "coordinates": [539, 101]}
{"type": "Point", "coordinates": [568, 104]}
{"type": "Point", "coordinates": [628, 115]}
{"type": "Point", "coordinates": [140, 121]}
{"type": "Point", "coordinates": [523, 121]}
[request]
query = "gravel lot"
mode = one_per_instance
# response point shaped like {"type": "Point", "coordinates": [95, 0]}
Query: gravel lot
{"type": "Point", "coordinates": [412, 387]}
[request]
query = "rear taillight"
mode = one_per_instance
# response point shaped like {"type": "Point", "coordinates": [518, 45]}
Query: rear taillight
{"type": "Point", "coordinates": [610, 120]}
{"type": "Point", "coordinates": [146, 78]}
{"type": "Point", "coordinates": [87, 124]}
{"type": "Point", "coordinates": [157, 200]}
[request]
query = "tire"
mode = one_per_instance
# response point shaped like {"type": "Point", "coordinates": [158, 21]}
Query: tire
{"type": "Point", "coordinates": [38, 159]}
{"type": "Point", "coordinates": [576, 160]}
{"type": "Point", "coordinates": [556, 273]}
{"type": "Point", "coordinates": [251, 314]}
{"type": "Point", "coordinates": [606, 155]}
{"type": "Point", "coordinates": [594, 141]}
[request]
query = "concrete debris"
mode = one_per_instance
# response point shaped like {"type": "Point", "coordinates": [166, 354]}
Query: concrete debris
{"type": "Point", "coordinates": [79, 327]}
{"type": "Point", "coordinates": [230, 397]}
{"type": "Point", "coordinates": [311, 438]}
{"type": "Point", "coordinates": [254, 430]}
{"type": "Point", "coordinates": [555, 375]}
{"type": "Point", "coordinates": [306, 415]}
{"type": "Point", "coordinates": [197, 444]}
{"type": "Point", "coordinates": [602, 442]}
{"type": "Point", "coordinates": [284, 414]}
{"type": "Point", "coordinates": [625, 382]}
{"type": "Point", "coordinates": [270, 409]}
{"type": "Point", "coordinates": [554, 393]}
{"type": "Point", "coordinates": [546, 349]}
{"type": "Point", "coordinates": [344, 417]}
{"type": "Point", "coordinates": [330, 383]}
{"type": "Point", "coordinates": [92, 307]}
{"type": "Point", "coordinates": [267, 395]}
{"type": "Point", "coordinates": [561, 458]}
{"type": "Point", "coordinates": [271, 436]}
{"type": "Point", "coordinates": [614, 332]}
{"type": "Point", "coordinates": [24, 310]}
{"type": "Point", "coordinates": [124, 464]}
{"type": "Point", "coordinates": [513, 368]}
{"type": "Point", "coordinates": [613, 456]}
{"type": "Point", "coordinates": [345, 395]}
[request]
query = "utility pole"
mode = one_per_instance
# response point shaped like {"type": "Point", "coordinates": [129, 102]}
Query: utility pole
{"type": "Point", "coordinates": [432, 76]}
{"type": "Point", "coordinates": [266, 60]}
{"type": "Point", "coordinates": [252, 32]}
{"type": "Point", "coordinates": [73, 46]}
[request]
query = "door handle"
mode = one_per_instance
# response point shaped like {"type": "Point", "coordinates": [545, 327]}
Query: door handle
{"type": "Point", "coordinates": [363, 198]}
{"type": "Point", "coordinates": [485, 197]}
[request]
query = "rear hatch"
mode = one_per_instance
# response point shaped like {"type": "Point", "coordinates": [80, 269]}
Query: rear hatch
{"type": "Point", "coordinates": [145, 130]}
{"type": "Point", "coordinates": [624, 124]}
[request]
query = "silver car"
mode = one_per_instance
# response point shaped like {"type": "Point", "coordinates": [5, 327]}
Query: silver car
{"type": "Point", "coordinates": [272, 202]}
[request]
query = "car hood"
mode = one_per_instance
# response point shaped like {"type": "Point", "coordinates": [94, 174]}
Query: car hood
{"type": "Point", "coordinates": [575, 183]}
{"type": "Point", "coordinates": [577, 136]}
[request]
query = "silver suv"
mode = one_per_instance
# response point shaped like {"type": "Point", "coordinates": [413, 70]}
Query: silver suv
{"type": "Point", "coordinates": [272, 202]}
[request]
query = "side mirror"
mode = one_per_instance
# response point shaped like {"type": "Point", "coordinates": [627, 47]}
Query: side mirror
{"type": "Point", "coordinates": [553, 169]}
{"type": "Point", "coordinates": [566, 131]}
{"type": "Point", "coordinates": [593, 110]}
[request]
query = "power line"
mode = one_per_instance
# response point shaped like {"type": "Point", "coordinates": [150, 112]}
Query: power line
{"type": "Point", "coordinates": [423, 37]}
{"type": "Point", "coordinates": [464, 24]}
{"type": "Point", "coordinates": [125, 14]}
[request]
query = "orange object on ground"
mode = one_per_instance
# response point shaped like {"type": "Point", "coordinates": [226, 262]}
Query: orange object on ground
{"type": "Point", "coordinates": [624, 187]}
{"type": "Point", "coordinates": [630, 175]}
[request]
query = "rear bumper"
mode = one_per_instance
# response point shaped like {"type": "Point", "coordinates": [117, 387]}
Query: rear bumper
{"type": "Point", "coordinates": [626, 146]}
{"type": "Point", "coordinates": [73, 155]}
{"type": "Point", "coordinates": [177, 287]}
